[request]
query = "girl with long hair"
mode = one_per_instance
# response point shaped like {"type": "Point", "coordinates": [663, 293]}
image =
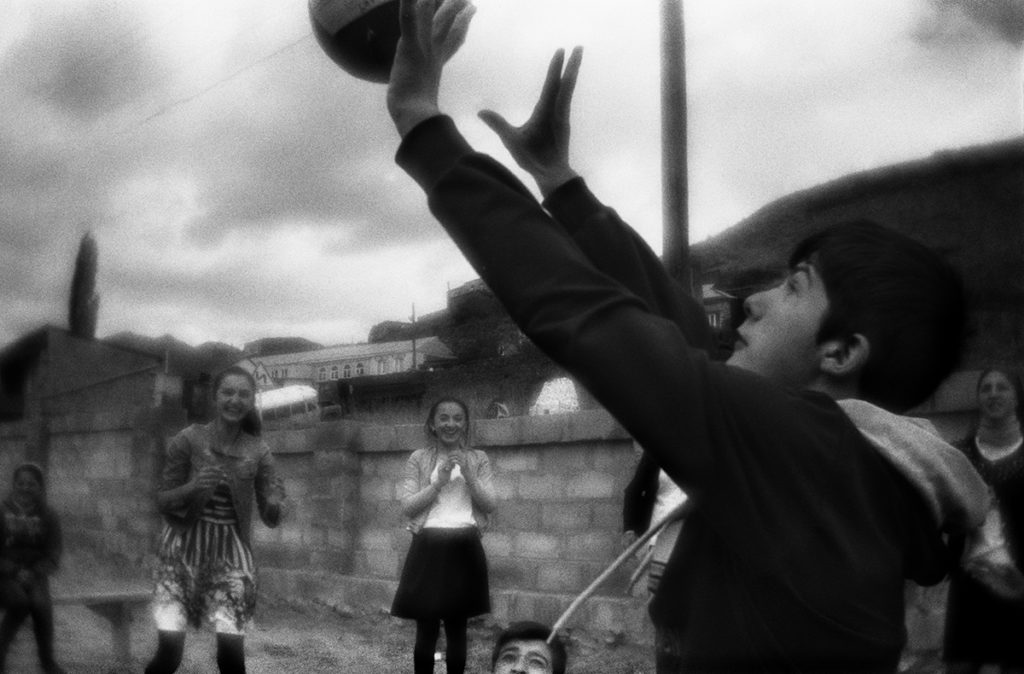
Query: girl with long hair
{"type": "Point", "coordinates": [446, 494]}
{"type": "Point", "coordinates": [206, 571]}
{"type": "Point", "coordinates": [30, 551]}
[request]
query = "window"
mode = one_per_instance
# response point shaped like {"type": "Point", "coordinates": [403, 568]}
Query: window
{"type": "Point", "coordinates": [346, 372]}
{"type": "Point", "coordinates": [359, 370]}
{"type": "Point", "coordinates": [334, 372]}
{"type": "Point", "coordinates": [322, 374]}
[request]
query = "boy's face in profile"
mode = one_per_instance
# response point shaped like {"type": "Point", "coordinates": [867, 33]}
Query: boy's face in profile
{"type": "Point", "coordinates": [779, 338]}
{"type": "Point", "coordinates": [522, 656]}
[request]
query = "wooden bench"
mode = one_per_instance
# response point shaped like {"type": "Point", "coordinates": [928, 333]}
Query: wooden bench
{"type": "Point", "coordinates": [116, 606]}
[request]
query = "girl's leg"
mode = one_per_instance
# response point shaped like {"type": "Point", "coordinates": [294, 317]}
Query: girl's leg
{"type": "Point", "coordinates": [426, 640]}
{"type": "Point", "coordinates": [42, 625]}
{"type": "Point", "coordinates": [169, 648]}
{"type": "Point", "coordinates": [230, 653]}
{"type": "Point", "coordinates": [455, 638]}
{"type": "Point", "coordinates": [13, 617]}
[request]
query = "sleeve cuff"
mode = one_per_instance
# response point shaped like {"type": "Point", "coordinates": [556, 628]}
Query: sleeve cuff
{"type": "Point", "coordinates": [430, 149]}
{"type": "Point", "coordinates": [570, 203]}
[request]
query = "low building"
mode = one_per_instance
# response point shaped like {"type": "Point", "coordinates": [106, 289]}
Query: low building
{"type": "Point", "coordinates": [345, 361]}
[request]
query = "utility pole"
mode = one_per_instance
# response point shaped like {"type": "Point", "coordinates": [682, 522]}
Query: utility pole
{"type": "Point", "coordinates": [675, 189]}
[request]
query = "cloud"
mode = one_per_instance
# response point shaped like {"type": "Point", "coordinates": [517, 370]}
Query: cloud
{"type": "Point", "coordinates": [240, 185]}
{"type": "Point", "coordinates": [952, 23]}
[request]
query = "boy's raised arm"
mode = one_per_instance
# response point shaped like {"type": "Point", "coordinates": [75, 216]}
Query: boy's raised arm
{"type": "Point", "coordinates": [578, 314]}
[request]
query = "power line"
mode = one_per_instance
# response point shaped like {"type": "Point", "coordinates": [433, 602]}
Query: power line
{"type": "Point", "coordinates": [184, 101]}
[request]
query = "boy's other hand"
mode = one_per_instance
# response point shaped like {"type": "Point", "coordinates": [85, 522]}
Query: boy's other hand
{"type": "Point", "coordinates": [541, 145]}
{"type": "Point", "coordinates": [431, 34]}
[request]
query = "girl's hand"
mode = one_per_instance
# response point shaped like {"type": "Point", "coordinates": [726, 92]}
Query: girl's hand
{"type": "Point", "coordinates": [461, 459]}
{"type": "Point", "coordinates": [444, 472]}
{"type": "Point", "coordinates": [208, 478]}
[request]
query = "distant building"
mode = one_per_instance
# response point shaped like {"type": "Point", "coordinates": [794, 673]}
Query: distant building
{"type": "Point", "coordinates": [346, 361]}
{"type": "Point", "coordinates": [50, 373]}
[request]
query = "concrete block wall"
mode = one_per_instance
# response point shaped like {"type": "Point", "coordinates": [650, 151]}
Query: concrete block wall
{"type": "Point", "coordinates": [559, 479]}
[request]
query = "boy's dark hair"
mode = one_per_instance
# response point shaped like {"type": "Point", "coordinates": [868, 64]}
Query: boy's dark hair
{"type": "Point", "coordinates": [528, 630]}
{"type": "Point", "coordinates": [901, 295]}
{"type": "Point", "coordinates": [1015, 381]}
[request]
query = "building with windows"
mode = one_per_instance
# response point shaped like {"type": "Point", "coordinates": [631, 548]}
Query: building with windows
{"type": "Point", "coordinates": [345, 361]}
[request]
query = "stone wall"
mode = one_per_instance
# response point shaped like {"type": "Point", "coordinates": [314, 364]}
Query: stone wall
{"type": "Point", "coordinates": [559, 479]}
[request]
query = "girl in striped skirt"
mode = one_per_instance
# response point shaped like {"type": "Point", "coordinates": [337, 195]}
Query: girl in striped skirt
{"type": "Point", "coordinates": [206, 571]}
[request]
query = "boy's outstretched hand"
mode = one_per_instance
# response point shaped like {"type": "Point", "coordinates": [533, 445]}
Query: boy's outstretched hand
{"type": "Point", "coordinates": [541, 145]}
{"type": "Point", "coordinates": [432, 32]}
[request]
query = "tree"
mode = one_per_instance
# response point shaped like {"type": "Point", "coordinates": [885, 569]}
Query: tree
{"type": "Point", "coordinates": [84, 304]}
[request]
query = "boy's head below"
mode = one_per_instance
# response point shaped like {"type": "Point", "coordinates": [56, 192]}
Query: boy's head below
{"type": "Point", "coordinates": [522, 648]}
{"type": "Point", "coordinates": [864, 312]}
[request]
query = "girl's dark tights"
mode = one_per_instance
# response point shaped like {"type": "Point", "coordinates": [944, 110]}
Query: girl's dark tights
{"type": "Point", "coordinates": [427, 632]}
{"type": "Point", "coordinates": [171, 645]}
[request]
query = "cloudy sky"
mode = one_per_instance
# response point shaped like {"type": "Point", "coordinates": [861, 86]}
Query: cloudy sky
{"type": "Point", "coordinates": [239, 185]}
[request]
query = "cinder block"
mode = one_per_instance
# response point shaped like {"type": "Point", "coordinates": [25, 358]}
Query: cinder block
{"type": "Point", "coordinates": [515, 461]}
{"type": "Point", "coordinates": [289, 534]}
{"type": "Point", "coordinates": [566, 459]}
{"type": "Point", "coordinates": [561, 577]}
{"type": "Point", "coordinates": [342, 462]}
{"type": "Point", "coordinates": [540, 486]}
{"type": "Point", "coordinates": [505, 487]}
{"type": "Point", "coordinates": [504, 572]}
{"type": "Point", "coordinates": [338, 538]}
{"type": "Point", "coordinates": [377, 489]}
{"type": "Point", "coordinates": [565, 516]}
{"type": "Point", "coordinates": [382, 563]}
{"type": "Point", "coordinates": [591, 546]}
{"type": "Point", "coordinates": [537, 545]}
{"type": "Point", "coordinates": [606, 516]}
{"type": "Point", "coordinates": [377, 539]}
{"type": "Point", "coordinates": [517, 515]}
{"type": "Point", "coordinates": [592, 484]}
{"type": "Point", "coordinates": [618, 458]}
{"type": "Point", "coordinates": [497, 544]}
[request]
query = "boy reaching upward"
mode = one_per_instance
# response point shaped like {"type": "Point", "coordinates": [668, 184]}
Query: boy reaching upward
{"type": "Point", "coordinates": [811, 500]}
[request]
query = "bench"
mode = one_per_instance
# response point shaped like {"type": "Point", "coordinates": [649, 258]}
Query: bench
{"type": "Point", "coordinates": [114, 605]}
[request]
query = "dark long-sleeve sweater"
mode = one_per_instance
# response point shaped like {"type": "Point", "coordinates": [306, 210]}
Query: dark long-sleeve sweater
{"type": "Point", "coordinates": [801, 535]}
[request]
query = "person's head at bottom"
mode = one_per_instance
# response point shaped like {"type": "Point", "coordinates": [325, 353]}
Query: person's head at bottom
{"type": "Point", "coordinates": [522, 648]}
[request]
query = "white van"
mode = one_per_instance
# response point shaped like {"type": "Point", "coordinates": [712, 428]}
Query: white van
{"type": "Point", "coordinates": [297, 405]}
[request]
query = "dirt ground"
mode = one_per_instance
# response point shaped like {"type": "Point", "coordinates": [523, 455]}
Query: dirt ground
{"type": "Point", "coordinates": [313, 640]}
{"type": "Point", "coordinates": [303, 639]}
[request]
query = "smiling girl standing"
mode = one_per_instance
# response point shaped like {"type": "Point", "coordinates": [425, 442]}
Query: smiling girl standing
{"type": "Point", "coordinates": [206, 570]}
{"type": "Point", "coordinates": [446, 494]}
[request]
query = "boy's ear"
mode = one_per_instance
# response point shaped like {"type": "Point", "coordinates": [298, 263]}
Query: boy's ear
{"type": "Point", "coordinates": [844, 358]}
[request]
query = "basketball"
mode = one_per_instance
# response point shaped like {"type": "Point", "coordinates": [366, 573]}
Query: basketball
{"type": "Point", "coordinates": [358, 35]}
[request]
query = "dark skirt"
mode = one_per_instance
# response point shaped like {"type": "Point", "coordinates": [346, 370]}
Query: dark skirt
{"type": "Point", "coordinates": [981, 627]}
{"type": "Point", "coordinates": [445, 575]}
